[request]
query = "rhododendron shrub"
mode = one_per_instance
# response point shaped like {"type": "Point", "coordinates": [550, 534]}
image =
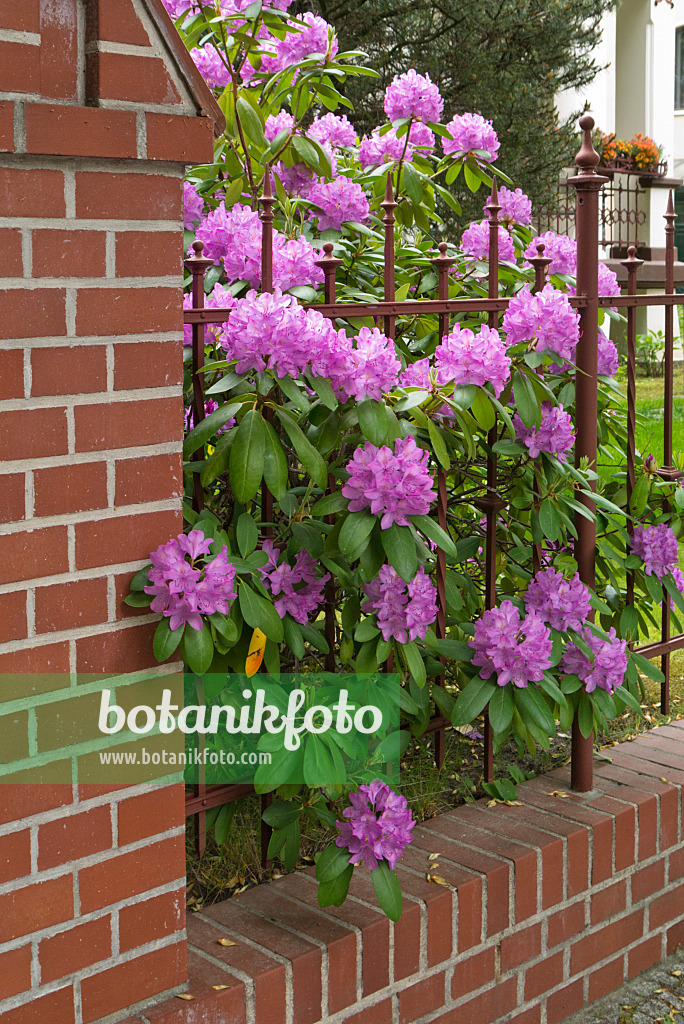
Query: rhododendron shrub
{"type": "Point", "coordinates": [342, 461]}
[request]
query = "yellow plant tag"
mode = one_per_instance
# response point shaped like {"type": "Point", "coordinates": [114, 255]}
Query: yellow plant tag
{"type": "Point", "coordinates": [255, 655]}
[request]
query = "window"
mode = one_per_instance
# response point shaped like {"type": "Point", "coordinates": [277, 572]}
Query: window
{"type": "Point", "coordinates": [679, 69]}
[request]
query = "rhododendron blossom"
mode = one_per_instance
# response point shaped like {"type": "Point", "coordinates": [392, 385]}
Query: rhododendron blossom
{"type": "Point", "coordinates": [517, 649]}
{"type": "Point", "coordinates": [547, 317]}
{"type": "Point", "coordinates": [413, 95]}
{"type": "Point", "coordinates": [475, 242]}
{"type": "Point", "coordinates": [516, 207]}
{"type": "Point", "coordinates": [333, 129]}
{"type": "Point", "coordinates": [561, 250]}
{"type": "Point", "coordinates": [211, 67]}
{"type": "Point", "coordinates": [193, 206]}
{"type": "Point", "coordinates": [405, 611]}
{"type": "Point", "coordinates": [657, 546]}
{"type": "Point", "coordinates": [282, 579]}
{"type": "Point", "coordinates": [338, 201]}
{"type": "Point", "coordinates": [467, 358]}
{"type": "Point", "coordinates": [277, 123]}
{"type": "Point", "coordinates": [185, 590]}
{"type": "Point", "coordinates": [608, 359]}
{"type": "Point", "coordinates": [608, 667]}
{"type": "Point", "coordinates": [471, 131]}
{"type": "Point", "coordinates": [396, 483]}
{"type": "Point", "coordinates": [554, 434]}
{"type": "Point", "coordinates": [374, 367]}
{"type": "Point", "coordinates": [378, 826]}
{"type": "Point", "coordinates": [563, 604]}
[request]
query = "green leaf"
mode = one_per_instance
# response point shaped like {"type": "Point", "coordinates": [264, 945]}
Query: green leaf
{"type": "Point", "coordinates": [526, 401]}
{"type": "Point", "coordinates": [366, 630]}
{"type": "Point", "coordinates": [223, 822]}
{"type": "Point", "coordinates": [293, 636]}
{"type": "Point", "coordinates": [388, 890]}
{"type": "Point", "coordinates": [645, 666]}
{"type": "Point", "coordinates": [482, 410]}
{"type": "Point", "coordinates": [141, 578]}
{"type": "Point", "coordinates": [247, 534]}
{"type": "Point", "coordinates": [639, 496]}
{"type": "Point", "coordinates": [414, 662]}
{"type": "Point", "coordinates": [319, 768]}
{"type": "Point", "coordinates": [304, 149]}
{"type": "Point", "coordinates": [251, 122]}
{"type": "Point", "coordinates": [199, 648]}
{"type": "Point", "coordinates": [629, 623]}
{"type": "Point", "coordinates": [311, 460]}
{"type": "Point", "coordinates": [549, 519]}
{"type": "Point", "coordinates": [165, 641]}
{"type": "Point", "coordinates": [400, 548]}
{"type": "Point", "coordinates": [217, 463]}
{"type": "Point", "coordinates": [209, 426]}
{"type": "Point", "coordinates": [585, 716]}
{"type": "Point", "coordinates": [138, 600]}
{"type": "Point", "coordinates": [373, 421]}
{"type": "Point", "coordinates": [356, 529]}
{"type": "Point", "coordinates": [472, 699]}
{"type": "Point", "coordinates": [413, 184]}
{"type": "Point", "coordinates": [246, 461]}
{"type": "Point", "coordinates": [501, 708]}
{"type": "Point", "coordinates": [281, 813]}
{"type": "Point", "coordinates": [434, 532]}
{"type": "Point", "coordinates": [627, 699]}
{"type": "Point", "coordinates": [275, 462]}
{"type": "Point", "coordinates": [533, 708]}
{"type": "Point", "coordinates": [329, 504]}
{"type": "Point", "coordinates": [334, 892]}
{"type": "Point", "coordinates": [260, 613]}
{"type": "Point", "coordinates": [320, 385]}
{"type": "Point", "coordinates": [331, 863]}
{"type": "Point", "coordinates": [438, 445]}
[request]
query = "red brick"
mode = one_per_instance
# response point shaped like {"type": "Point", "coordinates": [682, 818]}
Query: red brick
{"type": "Point", "coordinates": [15, 856]}
{"type": "Point", "coordinates": [124, 539]}
{"type": "Point", "coordinates": [12, 616]}
{"type": "Point", "coordinates": [543, 976]}
{"type": "Point", "coordinates": [68, 370]}
{"type": "Point", "coordinates": [606, 979]}
{"type": "Point", "coordinates": [149, 253]}
{"type": "Point", "coordinates": [128, 77]}
{"type": "Point", "coordinates": [6, 146]}
{"type": "Point", "coordinates": [127, 196]}
{"type": "Point", "coordinates": [73, 837]}
{"type": "Point", "coordinates": [649, 774]}
{"type": "Point", "coordinates": [114, 25]}
{"type": "Point", "coordinates": [380, 1013]}
{"type": "Point", "coordinates": [561, 1004]}
{"type": "Point", "coordinates": [41, 432]}
{"type": "Point", "coordinates": [645, 955]}
{"type": "Point", "coordinates": [15, 972]}
{"type": "Point", "coordinates": [149, 364]}
{"type": "Point", "coordinates": [128, 424]}
{"type": "Point", "coordinates": [79, 131]}
{"type": "Point", "coordinates": [675, 937]}
{"type": "Point", "coordinates": [12, 497]}
{"type": "Point", "coordinates": [407, 941]}
{"type": "Point", "coordinates": [122, 650]}
{"type": "Point", "coordinates": [676, 864]}
{"type": "Point", "coordinates": [24, 17]}
{"type": "Point", "coordinates": [19, 67]}
{"type": "Point", "coordinates": [11, 373]}
{"type": "Point", "coordinates": [68, 253]}
{"type": "Point", "coordinates": [648, 881]}
{"type": "Point", "coordinates": [115, 311]}
{"type": "Point", "coordinates": [142, 816]}
{"type": "Point", "coordinates": [130, 874]}
{"type": "Point", "coordinates": [33, 553]}
{"type": "Point", "coordinates": [151, 920]}
{"type": "Point", "coordinates": [133, 981]}
{"type": "Point", "coordinates": [519, 947]}
{"type": "Point", "coordinates": [565, 923]}
{"type": "Point", "coordinates": [36, 193]}
{"type": "Point", "coordinates": [25, 796]}
{"type": "Point", "coordinates": [625, 829]}
{"type": "Point", "coordinates": [148, 479]}
{"type": "Point", "coordinates": [608, 902]}
{"type": "Point", "coordinates": [57, 1008]}
{"type": "Point", "coordinates": [609, 939]}
{"type": "Point", "coordinates": [32, 907]}
{"type": "Point", "coordinates": [491, 1005]}
{"type": "Point", "coordinates": [473, 972]}
{"type": "Point", "coordinates": [666, 908]}
{"type": "Point", "coordinates": [438, 902]}
{"type": "Point", "coordinates": [59, 51]}
{"type": "Point", "coordinates": [204, 978]}
{"type": "Point", "coordinates": [421, 999]}
{"type": "Point", "coordinates": [77, 488]}
{"type": "Point", "coordinates": [531, 1016]}
{"type": "Point", "coordinates": [39, 313]}
{"type": "Point", "coordinates": [72, 950]}
{"type": "Point", "coordinates": [188, 140]}
{"type": "Point", "coordinates": [11, 263]}
{"type": "Point", "coordinates": [52, 658]}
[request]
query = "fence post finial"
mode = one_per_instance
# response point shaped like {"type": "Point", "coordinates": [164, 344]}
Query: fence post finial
{"type": "Point", "coordinates": [541, 263]}
{"type": "Point", "coordinates": [587, 159]}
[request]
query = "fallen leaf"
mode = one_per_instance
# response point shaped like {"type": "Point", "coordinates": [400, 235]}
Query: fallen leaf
{"type": "Point", "coordinates": [663, 779]}
{"type": "Point", "coordinates": [676, 974]}
{"type": "Point", "coordinates": [560, 793]}
{"type": "Point", "coordinates": [438, 880]}
{"type": "Point", "coordinates": [513, 803]}
{"type": "Point", "coordinates": [434, 856]}
{"type": "Point", "coordinates": [220, 988]}
{"type": "Point", "coordinates": [226, 942]}
{"type": "Point", "coordinates": [184, 995]}
{"type": "Point", "coordinates": [232, 881]}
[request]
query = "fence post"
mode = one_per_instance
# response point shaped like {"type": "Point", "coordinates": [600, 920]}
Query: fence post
{"type": "Point", "coordinates": [197, 264]}
{"type": "Point", "coordinates": [587, 184]}
{"type": "Point", "coordinates": [631, 265]}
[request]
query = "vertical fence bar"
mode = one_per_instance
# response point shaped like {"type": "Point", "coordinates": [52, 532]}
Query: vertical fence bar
{"type": "Point", "coordinates": [389, 205]}
{"type": "Point", "coordinates": [631, 265]}
{"type": "Point", "coordinates": [541, 263]}
{"type": "Point", "coordinates": [587, 184]}
{"type": "Point", "coordinates": [442, 264]}
{"type": "Point", "coordinates": [329, 265]}
{"type": "Point", "coordinates": [197, 265]}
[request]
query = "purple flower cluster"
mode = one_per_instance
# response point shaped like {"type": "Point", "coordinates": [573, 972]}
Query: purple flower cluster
{"type": "Point", "coordinates": [193, 206]}
{"type": "Point", "coordinates": [608, 668]}
{"type": "Point", "coordinates": [379, 825]}
{"type": "Point", "coordinates": [608, 360]}
{"type": "Point", "coordinates": [395, 483]}
{"type": "Point", "coordinates": [553, 435]}
{"type": "Point", "coordinates": [563, 604]}
{"type": "Point", "coordinates": [657, 546]}
{"type": "Point", "coordinates": [413, 95]}
{"type": "Point", "coordinates": [467, 358]}
{"type": "Point", "coordinates": [561, 250]}
{"type": "Point", "coordinates": [219, 298]}
{"type": "Point", "coordinates": [283, 578]}
{"type": "Point", "coordinates": [517, 649]}
{"type": "Point", "coordinates": [276, 123]}
{"type": "Point", "coordinates": [475, 242]}
{"type": "Point", "coordinates": [338, 201]}
{"type": "Point", "coordinates": [185, 590]}
{"type": "Point", "coordinates": [333, 130]}
{"type": "Point", "coordinates": [546, 316]}
{"type": "Point", "coordinates": [471, 131]}
{"type": "Point", "coordinates": [213, 70]}
{"type": "Point", "coordinates": [374, 366]}
{"type": "Point", "coordinates": [234, 237]}
{"type": "Point", "coordinates": [404, 611]}
{"type": "Point", "coordinates": [311, 37]}
{"type": "Point", "coordinates": [516, 207]}
{"type": "Point", "coordinates": [378, 148]}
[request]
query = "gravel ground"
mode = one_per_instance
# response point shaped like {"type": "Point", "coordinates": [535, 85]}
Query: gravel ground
{"type": "Point", "coordinates": [654, 997]}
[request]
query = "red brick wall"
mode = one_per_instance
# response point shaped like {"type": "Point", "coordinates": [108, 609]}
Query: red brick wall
{"type": "Point", "coordinates": [97, 122]}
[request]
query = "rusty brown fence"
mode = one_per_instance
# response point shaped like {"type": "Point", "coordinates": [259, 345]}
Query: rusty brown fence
{"type": "Point", "coordinates": [587, 186]}
{"type": "Point", "coordinates": [621, 213]}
